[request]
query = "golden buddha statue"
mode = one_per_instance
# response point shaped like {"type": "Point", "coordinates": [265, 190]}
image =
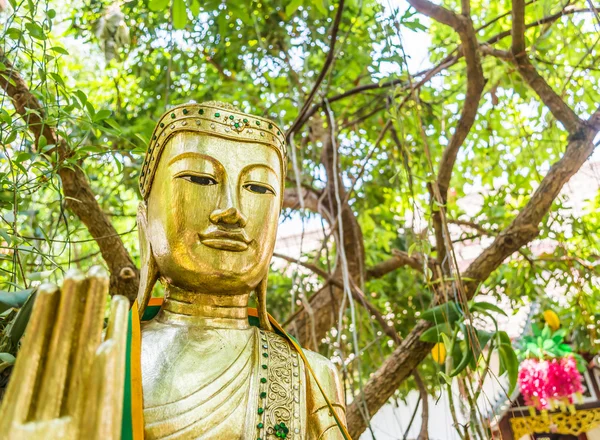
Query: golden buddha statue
{"type": "Point", "coordinates": [212, 183]}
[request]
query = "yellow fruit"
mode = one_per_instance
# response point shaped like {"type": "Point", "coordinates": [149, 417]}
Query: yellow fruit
{"type": "Point", "coordinates": [438, 353]}
{"type": "Point", "coordinates": [551, 319]}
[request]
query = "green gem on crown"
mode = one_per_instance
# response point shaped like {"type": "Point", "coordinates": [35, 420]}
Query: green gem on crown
{"type": "Point", "coordinates": [185, 111]}
{"type": "Point", "coordinates": [263, 394]}
{"type": "Point", "coordinates": [260, 425]}
{"type": "Point", "coordinates": [217, 115]}
{"type": "Point", "coordinates": [263, 379]}
{"type": "Point", "coordinates": [231, 117]}
{"type": "Point", "coordinates": [261, 410]}
{"type": "Point", "coordinates": [172, 115]}
{"type": "Point", "coordinates": [201, 111]}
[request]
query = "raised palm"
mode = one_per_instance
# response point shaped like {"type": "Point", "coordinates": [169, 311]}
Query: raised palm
{"type": "Point", "coordinates": [68, 380]}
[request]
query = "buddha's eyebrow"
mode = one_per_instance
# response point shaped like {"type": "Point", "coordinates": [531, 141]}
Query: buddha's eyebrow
{"type": "Point", "coordinates": [194, 155]}
{"type": "Point", "coordinates": [259, 165]}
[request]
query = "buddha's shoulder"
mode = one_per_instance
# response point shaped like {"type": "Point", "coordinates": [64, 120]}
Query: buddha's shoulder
{"type": "Point", "coordinates": [323, 368]}
{"type": "Point", "coordinates": [326, 373]}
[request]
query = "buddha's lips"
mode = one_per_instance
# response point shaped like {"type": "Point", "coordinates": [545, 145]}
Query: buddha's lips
{"type": "Point", "coordinates": [226, 240]}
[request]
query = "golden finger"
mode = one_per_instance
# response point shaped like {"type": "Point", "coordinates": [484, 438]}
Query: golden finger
{"type": "Point", "coordinates": [30, 360]}
{"type": "Point", "coordinates": [89, 328]}
{"type": "Point", "coordinates": [104, 402]}
{"type": "Point", "coordinates": [51, 392]}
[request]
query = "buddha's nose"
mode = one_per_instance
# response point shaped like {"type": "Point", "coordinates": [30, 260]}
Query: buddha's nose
{"type": "Point", "coordinates": [230, 216]}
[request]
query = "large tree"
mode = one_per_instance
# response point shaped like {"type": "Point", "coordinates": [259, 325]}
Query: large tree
{"type": "Point", "coordinates": [380, 154]}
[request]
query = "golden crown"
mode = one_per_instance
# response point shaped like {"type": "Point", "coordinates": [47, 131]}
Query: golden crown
{"type": "Point", "coordinates": [212, 118]}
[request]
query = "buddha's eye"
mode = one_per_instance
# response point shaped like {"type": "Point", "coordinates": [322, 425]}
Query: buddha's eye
{"type": "Point", "coordinates": [199, 180]}
{"type": "Point", "coordinates": [258, 189]}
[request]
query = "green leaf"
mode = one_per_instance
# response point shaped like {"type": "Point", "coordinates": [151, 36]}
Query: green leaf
{"type": "Point", "coordinates": [158, 5]}
{"type": "Point", "coordinates": [6, 237]}
{"type": "Point", "coordinates": [503, 338]}
{"type": "Point", "coordinates": [194, 8]}
{"type": "Point", "coordinates": [114, 124]}
{"type": "Point", "coordinates": [560, 333]}
{"type": "Point", "coordinates": [14, 33]}
{"type": "Point", "coordinates": [90, 109]}
{"type": "Point", "coordinates": [102, 114]}
{"type": "Point", "coordinates": [321, 6]}
{"type": "Point", "coordinates": [42, 141]}
{"type": "Point", "coordinates": [13, 299]}
{"type": "Point", "coordinates": [467, 355]}
{"type": "Point", "coordinates": [566, 348]}
{"type": "Point", "coordinates": [447, 312]}
{"type": "Point", "coordinates": [7, 358]}
{"type": "Point", "coordinates": [179, 14]}
{"type": "Point", "coordinates": [143, 138]}
{"type": "Point", "coordinates": [508, 359]}
{"type": "Point", "coordinates": [434, 333]}
{"type": "Point", "coordinates": [35, 30]}
{"type": "Point", "coordinates": [82, 96]}
{"type": "Point", "coordinates": [487, 307]}
{"type": "Point", "coordinates": [292, 7]}
{"type": "Point", "coordinates": [60, 50]}
{"type": "Point", "coordinates": [414, 25]}
{"type": "Point", "coordinates": [56, 77]}
{"type": "Point", "coordinates": [17, 327]}
{"type": "Point", "coordinates": [546, 332]}
{"type": "Point", "coordinates": [38, 276]}
{"type": "Point", "coordinates": [483, 337]}
{"type": "Point", "coordinates": [445, 378]}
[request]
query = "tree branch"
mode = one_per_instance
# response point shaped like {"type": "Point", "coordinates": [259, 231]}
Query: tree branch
{"type": "Point", "coordinates": [357, 293]}
{"type": "Point", "coordinates": [524, 228]}
{"type": "Point", "coordinates": [463, 25]}
{"type": "Point", "coordinates": [399, 259]}
{"type": "Point", "coordinates": [80, 199]}
{"type": "Point", "coordinates": [328, 61]}
{"type": "Point", "coordinates": [438, 13]}
{"type": "Point", "coordinates": [521, 231]}
{"type": "Point", "coordinates": [292, 201]}
{"type": "Point", "coordinates": [561, 111]}
{"type": "Point", "coordinates": [447, 62]}
{"type": "Point", "coordinates": [424, 432]}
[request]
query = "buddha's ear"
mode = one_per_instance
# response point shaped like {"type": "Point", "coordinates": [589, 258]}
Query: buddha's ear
{"type": "Point", "coordinates": [149, 269]}
{"type": "Point", "coordinates": [261, 299]}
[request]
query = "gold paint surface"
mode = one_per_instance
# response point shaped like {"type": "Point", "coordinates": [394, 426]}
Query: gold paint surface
{"type": "Point", "coordinates": [207, 232]}
{"type": "Point", "coordinates": [209, 229]}
{"type": "Point", "coordinates": [212, 216]}
{"type": "Point", "coordinates": [67, 383]}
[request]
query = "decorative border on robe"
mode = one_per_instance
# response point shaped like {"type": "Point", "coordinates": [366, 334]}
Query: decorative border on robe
{"type": "Point", "coordinates": [132, 427]}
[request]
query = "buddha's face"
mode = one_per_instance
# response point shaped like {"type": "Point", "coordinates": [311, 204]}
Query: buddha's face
{"type": "Point", "coordinates": [213, 211]}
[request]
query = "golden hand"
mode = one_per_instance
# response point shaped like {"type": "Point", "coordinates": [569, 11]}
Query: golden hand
{"type": "Point", "coordinates": [67, 383]}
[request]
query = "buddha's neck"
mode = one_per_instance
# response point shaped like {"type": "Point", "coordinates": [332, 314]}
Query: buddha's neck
{"type": "Point", "coordinates": [205, 310]}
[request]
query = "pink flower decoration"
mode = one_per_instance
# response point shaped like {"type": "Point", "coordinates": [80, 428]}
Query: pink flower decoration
{"type": "Point", "coordinates": [545, 384]}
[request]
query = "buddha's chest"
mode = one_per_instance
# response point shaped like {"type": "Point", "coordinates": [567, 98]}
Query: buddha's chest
{"type": "Point", "coordinates": [221, 385]}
